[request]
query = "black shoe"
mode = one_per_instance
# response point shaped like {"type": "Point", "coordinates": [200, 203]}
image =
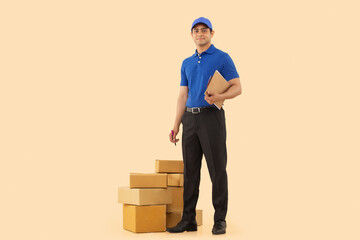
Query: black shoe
{"type": "Point", "coordinates": [219, 227]}
{"type": "Point", "coordinates": [183, 226]}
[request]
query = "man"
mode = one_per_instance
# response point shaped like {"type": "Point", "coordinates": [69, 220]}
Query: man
{"type": "Point", "coordinates": [204, 130]}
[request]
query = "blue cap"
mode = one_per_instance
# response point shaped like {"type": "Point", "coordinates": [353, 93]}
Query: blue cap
{"type": "Point", "coordinates": [202, 20]}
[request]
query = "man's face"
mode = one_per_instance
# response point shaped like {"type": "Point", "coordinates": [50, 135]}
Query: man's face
{"type": "Point", "coordinates": [201, 34]}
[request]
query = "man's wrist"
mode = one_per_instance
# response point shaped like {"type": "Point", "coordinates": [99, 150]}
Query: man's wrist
{"type": "Point", "coordinates": [222, 96]}
{"type": "Point", "coordinates": [176, 126]}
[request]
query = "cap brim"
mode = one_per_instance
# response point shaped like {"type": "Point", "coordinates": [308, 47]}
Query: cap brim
{"type": "Point", "coordinates": [201, 23]}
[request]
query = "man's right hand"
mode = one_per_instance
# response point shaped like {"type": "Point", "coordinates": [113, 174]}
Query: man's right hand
{"type": "Point", "coordinates": [172, 136]}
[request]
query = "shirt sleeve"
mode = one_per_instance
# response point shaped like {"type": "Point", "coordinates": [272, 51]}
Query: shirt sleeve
{"type": "Point", "coordinates": [228, 68]}
{"type": "Point", "coordinates": [184, 81]}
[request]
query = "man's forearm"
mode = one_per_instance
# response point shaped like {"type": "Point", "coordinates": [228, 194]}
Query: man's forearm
{"type": "Point", "coordinates": [233, 91]}
{"type": "Point", "coordinates": [180, 109]}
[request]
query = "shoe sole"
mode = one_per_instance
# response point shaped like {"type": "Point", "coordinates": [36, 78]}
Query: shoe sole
{"type": "Point", "coordinates": [183, 231]}
{"type": "Point", "coordinates": [191, 230]}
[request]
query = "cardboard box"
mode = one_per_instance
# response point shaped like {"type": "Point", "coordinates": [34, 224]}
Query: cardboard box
{"type": "Point", "coordinates": [177, 203]}
{"type": "Point", "coordinates": [175, 179]}
{"type": "Point", "coordinates": [148, 180]}
{"type": "Point", "coordinates": [173, 218]}
{"type": "Point", "coordinates": [169, 166]}
{"type": "Point", "coordinates": [144, 196]}
{"type": "Point", "coordinates": [144, 218]}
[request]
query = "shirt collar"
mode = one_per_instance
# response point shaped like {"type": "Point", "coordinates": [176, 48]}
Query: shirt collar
{"type": "Point", "coordinates": [210, 50]}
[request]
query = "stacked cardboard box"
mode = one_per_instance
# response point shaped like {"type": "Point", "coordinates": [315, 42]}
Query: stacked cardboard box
{"type": "Point", "coordinates": [144, 208]}
{"type": "Point", "coordinates": [154, 201]}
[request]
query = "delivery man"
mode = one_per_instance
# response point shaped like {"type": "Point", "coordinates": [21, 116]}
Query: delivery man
{"type": "Point", "coordinates": [204, 130]}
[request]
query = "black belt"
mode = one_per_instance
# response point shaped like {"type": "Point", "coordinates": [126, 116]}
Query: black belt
{"type": "Point", "coordinates": [196, 110]}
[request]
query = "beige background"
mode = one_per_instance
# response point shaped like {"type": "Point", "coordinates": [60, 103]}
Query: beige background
{"type": "Point", "coordinates": [88, 94]}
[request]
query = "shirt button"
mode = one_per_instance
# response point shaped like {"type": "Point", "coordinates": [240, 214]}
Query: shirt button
{"type": "Point", "coordinates": [200, 57]}
{"type": "Point", "coordinates": [198, 61]}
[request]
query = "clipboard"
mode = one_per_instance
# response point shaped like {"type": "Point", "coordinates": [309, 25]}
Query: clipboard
{"type": "Point", "coordinates": [218, 84]}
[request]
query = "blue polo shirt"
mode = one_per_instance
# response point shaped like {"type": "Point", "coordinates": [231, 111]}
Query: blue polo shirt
{"type": "Point", "coordinates": [197, 70]}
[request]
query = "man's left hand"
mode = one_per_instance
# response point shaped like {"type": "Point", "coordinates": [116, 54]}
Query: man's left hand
{"type": "Point", "coordinates": [212, 97]}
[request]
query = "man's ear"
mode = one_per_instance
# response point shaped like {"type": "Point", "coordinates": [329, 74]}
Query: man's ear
{"type": "Point", "coordinates": [212, 33]}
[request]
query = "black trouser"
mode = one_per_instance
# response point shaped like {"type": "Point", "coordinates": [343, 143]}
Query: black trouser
{"type": "Point", "coordinates": [205, 133]}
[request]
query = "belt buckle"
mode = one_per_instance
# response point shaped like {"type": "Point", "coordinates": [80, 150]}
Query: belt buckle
{"type": "Point", "coordinates": [193, 112]}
